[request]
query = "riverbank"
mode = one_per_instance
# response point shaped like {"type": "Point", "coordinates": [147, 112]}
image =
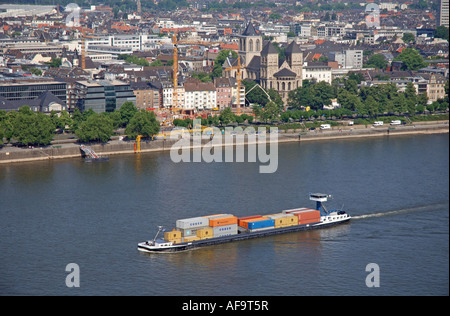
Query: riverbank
{"type": "Point", "coordinates": [61, 150]}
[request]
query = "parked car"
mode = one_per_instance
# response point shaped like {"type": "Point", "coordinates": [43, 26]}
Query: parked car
{"type": "Point", "coordinates": [378, 123]}
{"type": "Point", "coordinates": [396, 122]}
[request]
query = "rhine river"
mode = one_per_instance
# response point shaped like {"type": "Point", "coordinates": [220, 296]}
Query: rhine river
{"type": "Point", "coordinates": [53, 213]}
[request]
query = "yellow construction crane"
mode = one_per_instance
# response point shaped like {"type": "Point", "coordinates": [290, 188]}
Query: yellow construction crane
{"type": "Point", "coordinates": [238, 67]}
{"type": "Point", "coordinates": [137, 147]}
{"type": "Point", "coordinates": [175, 107]}
{"type": "Point", "coordinates": [175, 74]}
{"type": "Point", "coordinates": [83, 47]}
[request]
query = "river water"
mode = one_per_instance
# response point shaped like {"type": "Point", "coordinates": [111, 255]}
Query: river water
{"type": "Point", "coordinates": [54, 213]}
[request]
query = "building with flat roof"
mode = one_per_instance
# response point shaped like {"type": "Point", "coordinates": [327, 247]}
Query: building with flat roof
{"type": "Point", "coordinates": [102, 95]}
{"type": "Point", "coordinates": [15, 89]}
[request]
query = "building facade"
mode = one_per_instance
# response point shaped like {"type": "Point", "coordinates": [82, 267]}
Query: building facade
{"type": "Point", "coordinates": [102, 95]}
{"type": "Point", "coordinates": [351, 58]}
{"type": "Point", "coordinates": [444, 13]}
{"type": "Point", "coordinates": [27, 89]}
{"type": "Point", "coordinates": [199, 95]}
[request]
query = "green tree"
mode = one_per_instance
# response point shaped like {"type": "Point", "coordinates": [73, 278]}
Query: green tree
{"type": "Point", "coordinates": [143, 123]}
{"type": "Point", "coordinates": [127, 111]}
{"type": "Point", "coordinates": [411, 59]}
{"type": "Point", "coordinates": [202, 76]}
{"type": "Point", "coordinates": [33, 128]}
{"type": "Point", "coordinates": [357, 76]}
{"type": "Point", "coordinates": [156, 63]}
{"type": "Point", "coordinates": [7, 119]}
{"type": "Point", "coordinates": [348, 100]}
{"type": "Point", "coordinates": [64, 120]}
{"type": "Point", "coordinates": [96, 128]}
{"type": "Point", "coordinates": [408, 37]}
{"type": "Point", "coordinates": [314, 95]}
{"type": "Point", "coordinates": [220, 59]}
{"type": "Point", "coordinates": [376, 61]}
{"type": "Point", "coordinates": [54, 62]}
{"type": "Point", "coordinates": [271, 111]}
{"type": "Point", "coordinates": [77, 119]}
{"type": "Point", "coordinates": [226, 116]}
{"type": "Point", "coordinates": [441, 32]}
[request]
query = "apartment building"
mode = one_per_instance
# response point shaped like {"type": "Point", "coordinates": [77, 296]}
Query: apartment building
{"type": "Point", "coordinates": [147, 94]}
{"type": "Point", "coordinates": [199, 95]}
{"type": "Point", "coordinates": [317, 72]}
{"type": "Point", "coordinates": [223, 92]}
{"type": "Point", "coordinates": [350, 58]}
{"type": "Point", "coordinates": [444, 13]}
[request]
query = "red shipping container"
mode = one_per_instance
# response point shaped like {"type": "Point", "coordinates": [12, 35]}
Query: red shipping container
{"type": "Point", "coordinates": [245, 218]}
{"type": "Point", "coordinates": [309, 221]}
{"type": "Point", "coordinates": [223, 221]}
{"type": "Point", "coordinates": [246, 221]}
{"type": "Point", "coordinates": [307, 216]}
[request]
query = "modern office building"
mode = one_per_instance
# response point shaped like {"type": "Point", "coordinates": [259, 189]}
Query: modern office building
{"type": "Point", "coordinates": [29, 89]}
{"type": "Point", "coordinates": [102, 95]}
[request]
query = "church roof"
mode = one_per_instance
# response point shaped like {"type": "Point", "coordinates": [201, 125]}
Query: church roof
{"type": "Point", "coordinates": [285, 73]}
{"type": "Point", "coordinates": [293, 48]}
{"type": "Point", "coordinates": [250, 30]}
{"type": "Point", "coordinates": [268, 49]}
{"type": "Point", "coordinates": [255, 63]}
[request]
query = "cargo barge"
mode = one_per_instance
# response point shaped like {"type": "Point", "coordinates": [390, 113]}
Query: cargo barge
{"type": "Point", "coordinates": [216, 229]}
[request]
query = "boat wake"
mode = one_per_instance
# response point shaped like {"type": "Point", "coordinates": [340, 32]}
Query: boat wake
{"type": "Point", "coordinates": [402, 211]}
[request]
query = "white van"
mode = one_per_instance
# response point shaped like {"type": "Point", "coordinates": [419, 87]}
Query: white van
{"type": "Point", "coordinates": [396, 122]}
{"type": "Point", "coordinates": [378, 123]}
{"type": "Point", "coordinates": [325, 126]}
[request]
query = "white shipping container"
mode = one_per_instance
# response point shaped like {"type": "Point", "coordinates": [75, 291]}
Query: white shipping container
{"type": "Point", "coordinates": [259, 229]}
{"type": "Point", "coordinates": [295, 210]}
{"type": "Point", "coordinates": [193, 222]}
{"type": "Point", "coordinates": [226, 230]}
{"type": "Point", "coordinates": [279, 216]}
{"type": "Point", "coordinates": [219, 216]}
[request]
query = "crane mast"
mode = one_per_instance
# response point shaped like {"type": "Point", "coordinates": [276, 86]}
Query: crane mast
{"type": "Point", "coordinates": [175, 74]}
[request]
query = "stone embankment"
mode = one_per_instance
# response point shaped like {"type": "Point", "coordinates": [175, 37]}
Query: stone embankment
{"type": "Point", "coordinates": [58, 150]}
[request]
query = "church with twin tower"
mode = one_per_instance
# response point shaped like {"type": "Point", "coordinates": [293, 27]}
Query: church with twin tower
{"type": "Point", "coordinates": [261, 63]}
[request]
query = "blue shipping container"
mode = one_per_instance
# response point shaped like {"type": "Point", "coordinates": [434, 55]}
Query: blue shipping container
{"type": "Point", "coordinates": [261, 224]}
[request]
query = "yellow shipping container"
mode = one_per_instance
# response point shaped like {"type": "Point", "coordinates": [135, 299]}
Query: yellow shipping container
{"type": "Point", "coordinates": [174, 234]}
{"type": "Point", "coordinates": [278, 222]}
{"type": "Point", "coordinates": [192, 238]}
{"type": "Point", "coordinates": [176, 241]}
{"type": "Point", "coordinates": [205, 233]}
{"type": "Point", "coordinates": [291, 220]}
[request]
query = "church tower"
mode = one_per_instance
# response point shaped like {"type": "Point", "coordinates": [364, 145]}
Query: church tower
{"type": "Point", "coordinates": [250, 44]}
{"type": "Point", "coordinates": [294, 58]}
{"type": "Point", "coordinates": [269, 66]}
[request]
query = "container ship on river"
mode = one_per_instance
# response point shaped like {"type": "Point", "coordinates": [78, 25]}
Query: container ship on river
{"type": "Point", "coordinates": [216, 229]}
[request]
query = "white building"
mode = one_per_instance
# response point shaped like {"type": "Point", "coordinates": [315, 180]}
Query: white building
{"type": "Point", "coordinates": [348, 58]}
{"type": "Point", "coordinates": [199, 95]}
{"type": "Point", "coordinates": [130, 42]}
{"type": "Point", "coordinates": [317, 73]}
